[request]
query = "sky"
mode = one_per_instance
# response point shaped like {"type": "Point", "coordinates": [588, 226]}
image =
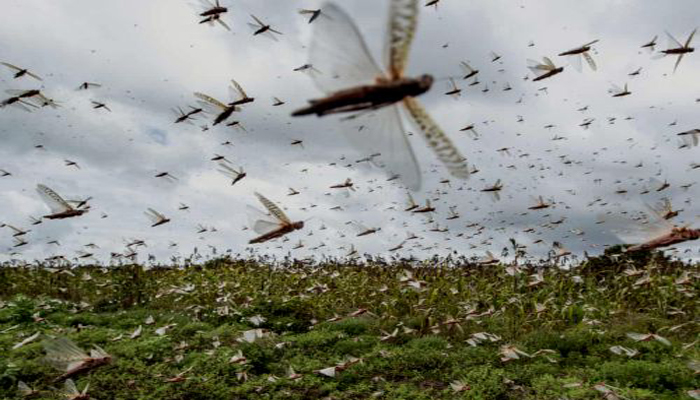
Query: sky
{"type": "Point", "coordinates": [150, 57]}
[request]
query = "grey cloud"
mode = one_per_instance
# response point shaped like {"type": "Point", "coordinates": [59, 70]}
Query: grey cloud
{"type": "Point", "coordinates": [152, 56]}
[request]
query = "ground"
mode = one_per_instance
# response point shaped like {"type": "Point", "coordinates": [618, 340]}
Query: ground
{"type": "Point", "coordinates": [439, 330]}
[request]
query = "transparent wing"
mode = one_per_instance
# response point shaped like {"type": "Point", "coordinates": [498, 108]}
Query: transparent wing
{"type": "Point", "coordinates": [22, 105]}
{"type": "Point", "coordinates": [576, 62]}
{"type": "Point", "coordinates": [452, 86]}
{"type": "Point", "coordinates": [269, 34]}
{"type": "Point", "coordinates": [98, 352]}
{"type": "Point", "coordinates": [52, 199]}
{"type": "Point", "coordinates": [70, 389]}
{"type": "Point", "coordinates": [209, 108]}
{"type": "Point", "coordinates": [339, 52]}
{"type": "Point", "coordinates": [16, 92]}
{"type": "Point", "coordinates": [224, 24]}
{"type": "Point", "coordinates": [154, 215]}
{"type": "Point", "coordinates": [210, 100]}
{"type": "Point", "coordinates": [672, 42]}
{"type": "Point", "coordinates": [24, 389]}
{"type": "Point", "coordinates": [690, 38]}
{"type": "Point", "coordinates": [536, 65]}
{"type": "Point", "coordinates": [678, 61]}
{"type": "Point", "coordinates": [381, 131]}
{"type": "Point", "coordinates": [260, 222]}
{"type": "Point", "coordinates": [177, 112]}
{"type": "Point", "coordinates": [403, 18]}
{"type": "Point", "coordinates": [358, 227]}
{"type": "Point", "coordinates": [536, 68]}
{"type": "Point", "coordinates": [8, 65]}
{"type": "Point", "coordinates": [61, 352]}
{"type": "Point", "coordinates": [548, 62]}
{"type": "Point", "coordinates": [659, 210]}
{"type": "Point", "coordinates": [411, 202]}
{"type": "Point", "coordinates": [257, 20]}
{"type": "Point", "coordinates": [204, 5]}
{"type": "Point", "coordinates": [273, 209]}
{"type": "Point", "coordinates": [228, 171]}
{"type": "Point", "coordinates": [590, 61]}
{"type": "Point", "coordinates": [239, 88]}
{"type": "Point", "coordinates": [466, 67]}
{"type": "Point", "coordinates": [634, 234]}
{"type": "Point", "coordinates": [437, 140]}
{"type": "Point", "coordinates": [38, 78]}
{"type": "Point", "coordinates": [636, 231]}
{"type": "Point", "coordinates": [691, 138]}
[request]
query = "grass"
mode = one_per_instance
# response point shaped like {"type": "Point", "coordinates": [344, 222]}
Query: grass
{"type": "Point", "coordinates": [393, 330]}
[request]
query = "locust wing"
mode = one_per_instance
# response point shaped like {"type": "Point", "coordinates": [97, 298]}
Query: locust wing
{"type": "Point", "coordinates": [403, 19]}
{"type": "Point", "coordinates": [690, 38]}
{"type": "Point", "coordinates": [382, 131]}
{"type": "Point", "coordinates": [615, 89]}
{"type": "Point", "coordinates": [10, 66]}
{"type": "Point", "coordinates": [260, 222]}
{"type": "Point", "coordinates": [222, 23]}
{"type": "Point", "coordinates": [539, 68]}
{"type": "Point", "coordinates": [639, 228]}
{"type": "Point", "coordinates": [468, 70]}
{"type": "Point", "coordinates": [16, 68]}
{"type": "Point", "coordinates": [411, 202]}
{"type": "Point", "coordinates": [548, 62]}
{"type": "Point", "coordinates": [258, 21]}
{"type": "Point", "coordinates": [340, 53]}
{"type": "Point", "coordinates": [590, 61]}
{"type": "Point", "coordinates": [228, 171]}
{"type": "Point", "coordinates": [52, 199]}
{"type": "Point", "coordinates": [268, 32]}
{"type": "Point", "coordinates": [63, 354]}
{"type": "Point", "coordinates": [242, 94]}
{"type": "Point", "coordinates": [24, 389]}
{"type": "Point", "coordinates": [273, 209]}
{"type": "Point", "coordinates": [673, 43]}
{"type": "Point", "coordinates": [437, 140]}
{"type": "Point", "coordinates": [21, 104]}
{"type": "Point", "coordinates": [576, 62]}
{"type": "Point", "coordinates": [98, 352]}
{"type": "Point", "coordinates": [70, 390]}
{"type": "Point", "coordinates": [203, 6]}
{"type": "Point", "coordinates": [690, 138]}
{"type": "Point", "coordinates": [210, 104]}
{"type": "Point", "coordinates": [154, 215]}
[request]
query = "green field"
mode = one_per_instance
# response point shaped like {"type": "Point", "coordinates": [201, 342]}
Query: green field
{"type": "Point", "coordinates": [439, 330]}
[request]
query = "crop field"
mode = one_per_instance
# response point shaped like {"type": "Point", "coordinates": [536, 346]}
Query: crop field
{"type": "Point", "coordinates": [609, 328]}
{"type": "Point", "coordinates": [338, 199]}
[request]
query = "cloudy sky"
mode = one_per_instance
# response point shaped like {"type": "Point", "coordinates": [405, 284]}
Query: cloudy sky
{"type": "Point", "coordinates": [152, 56]}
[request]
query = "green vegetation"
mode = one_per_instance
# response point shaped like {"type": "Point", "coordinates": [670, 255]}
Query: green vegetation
{"type": "Point", "coordinates": [241, 329]}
